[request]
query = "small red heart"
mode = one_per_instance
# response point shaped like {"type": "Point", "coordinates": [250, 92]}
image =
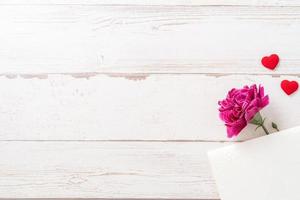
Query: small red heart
{"type": "Point", "coordinates": [289, 87]}
{"type": "Point", "coordinates": [270, 62]}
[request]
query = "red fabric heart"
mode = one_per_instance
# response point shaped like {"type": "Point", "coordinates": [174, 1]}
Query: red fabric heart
{"type": "Point", "coordinates": [289, 87]}
{"type": "Point", "coordinates": [270, 62]}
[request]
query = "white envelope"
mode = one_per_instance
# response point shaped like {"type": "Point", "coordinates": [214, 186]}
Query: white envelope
{"type": "Point", "coordinates": [265, 168]}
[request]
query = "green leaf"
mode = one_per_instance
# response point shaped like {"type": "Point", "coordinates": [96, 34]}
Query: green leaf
{"type": "Point", "coordinates": [257, 120]}
{"type": "Point", "coordinates": [257, 127]}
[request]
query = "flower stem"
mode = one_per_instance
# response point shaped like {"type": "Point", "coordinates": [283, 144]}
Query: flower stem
{"type": "Point", "coordinates": [259, 122]}
{"type": "Point", "coordinates": [265, 129]}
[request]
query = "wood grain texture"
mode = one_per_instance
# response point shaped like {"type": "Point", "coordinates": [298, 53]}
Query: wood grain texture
{"type": "Point", "coordinates": [117, 99]}
{"type": "Point", "coordinates": [106, 170]}
{"type": "Point", "coordinates": [156, 2]}
{"type": "Point", "coordinates": [155, 107]}
{"type": "Point", "coordinates": [147, 39]}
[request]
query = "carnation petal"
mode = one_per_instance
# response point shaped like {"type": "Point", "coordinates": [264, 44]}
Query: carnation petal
{"type": "Point", "coordinates": [235, 128]}
{"type": "Point", "coordinates": [240, 106]}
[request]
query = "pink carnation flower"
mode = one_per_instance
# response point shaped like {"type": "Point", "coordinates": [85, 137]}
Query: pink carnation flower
{"type": "Point", "coordinates": [240, 107]}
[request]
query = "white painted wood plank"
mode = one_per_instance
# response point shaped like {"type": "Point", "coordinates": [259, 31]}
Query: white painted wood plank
{"type": "Point", "coordinates": [147, 39]}
{"type": "Point", "coordinates": [106, 170]}
{"type": "Point", "coordinates": [155, 107]}
{"type": "Point", "coordinates": [158, 2]}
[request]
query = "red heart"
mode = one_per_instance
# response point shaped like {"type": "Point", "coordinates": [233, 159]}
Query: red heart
{"type": "Point", "coordinates": [289, 87]}
{"type": "Point", "coordinates": [270, 62]}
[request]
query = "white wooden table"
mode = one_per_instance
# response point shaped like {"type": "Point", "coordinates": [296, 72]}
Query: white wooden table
{"type": "Point", "coordinates": [118, 99]}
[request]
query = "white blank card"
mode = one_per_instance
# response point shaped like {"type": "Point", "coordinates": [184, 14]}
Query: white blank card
{"type": "Point", "coordinates": [265, 168]}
